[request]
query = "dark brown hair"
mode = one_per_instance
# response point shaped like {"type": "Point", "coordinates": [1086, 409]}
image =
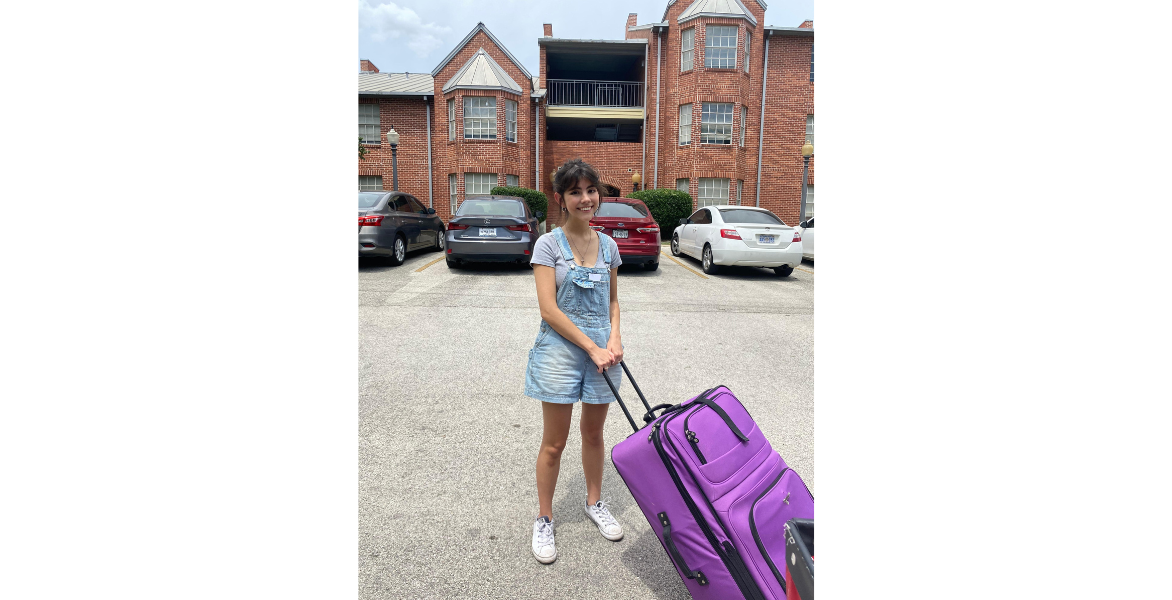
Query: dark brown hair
{"type": "Point", "coordinates": [571, 172]}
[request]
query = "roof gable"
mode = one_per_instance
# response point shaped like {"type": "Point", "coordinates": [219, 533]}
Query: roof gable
{"type": "Point", "coordinates": [717, 8]}
{"type": "Point", "coordinates": [760, 2]}
{"type": "Point", "coordinates": [479, 27]}
{"type": "Point", "coordinates": [483, 73]}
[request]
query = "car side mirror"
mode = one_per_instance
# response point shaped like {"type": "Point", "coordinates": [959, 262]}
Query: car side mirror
{"type": "Point", "coordinates": [431, 211]}
{"type": "Point", "coordinates": [683, 221]}
{"type": "Point", "coordinates": [540, 215]}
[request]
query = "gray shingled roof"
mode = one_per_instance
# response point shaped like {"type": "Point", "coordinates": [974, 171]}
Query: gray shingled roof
{"type": "Point", "coordinates": [481, 72]}
{"type": "Point", "coordinates": [396, 84]}
{"type": "Point", "coordinates": [716, 8]}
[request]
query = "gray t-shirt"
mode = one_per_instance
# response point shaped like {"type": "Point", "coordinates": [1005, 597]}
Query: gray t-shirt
{"type": "Point", "coordinates": [546, 252]}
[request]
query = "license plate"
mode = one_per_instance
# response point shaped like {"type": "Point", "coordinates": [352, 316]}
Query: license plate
{"type": "Point", "coordinates": [488, 232]}
{"type": "Point", "coordinates": [619, 233]}
{"type": "Point", "coordinates": [767, 239]}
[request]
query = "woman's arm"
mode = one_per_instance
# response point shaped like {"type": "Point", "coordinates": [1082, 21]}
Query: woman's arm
{"type": "Point", "coordinates": [615, 343]}
{"type": "Point", "coordinates": [550, 313]}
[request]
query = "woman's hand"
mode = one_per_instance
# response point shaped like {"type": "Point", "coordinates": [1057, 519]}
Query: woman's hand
{"type": "Point", "coordinates": [615, 346]}
{"type": "Point", "coordinates": [602, 358]}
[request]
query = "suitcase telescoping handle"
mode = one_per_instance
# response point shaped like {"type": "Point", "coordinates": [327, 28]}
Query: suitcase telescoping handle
{"type": "Point", "coordinates": [647, 418]}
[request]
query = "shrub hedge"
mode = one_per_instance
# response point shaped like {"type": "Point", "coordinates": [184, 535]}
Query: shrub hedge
{"type": "Point", "coordinates": [536, 200]}
{"type": "Point", "coordinates": [667, 208]}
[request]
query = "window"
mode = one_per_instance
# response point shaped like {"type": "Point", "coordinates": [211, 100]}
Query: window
{"type": "Point", "coordinates": [687, 46]}
{"type": "Point", "coordinates": [809, 202]}
{"type": "Point", "coordinates": [810, 129]}
{"type": "Point", "coordinates": [811, 63]}
{"type": "Point", "coordinates": [720, 47]}
{"type": "Point", "coordinates": [748, 215]}
{"type": "Point", "coordinates": [399, 203]}
{"type": "Point", "coordinates": [740, 188]}
{"type": "Point", "coordinates": [479, 118]}
{"type": "Point", "coordinates": [478, 184]}
{"type": "Point", "coordinates": [712, 191]}
{"type": "Point", "coordinates": [700, 217]}
{"type": "Point", "coordinates": [368, 123]}
{"type": "Point", "coordinates": [452, 192]}
{"type": "Point", "coordinates": [370, 183]}
{"type": "Point", "coordinates": [452, 119]}
{"type": "Point", "coordinates": [744, 123]}
{"type": "Point", "coordinates": [716, 123]}
{"type": "Point", "coordinates": [682, 185]}
{"type": "Point", "coordinates": [512, 181]}
{"type": "Point", "coordinates": [685, 124]}
{"type": "Point", "coordinates": [499, 208]}
{"type": "Point", "coordinates": [510, 121]}
{"type": "Point", "coordinates": [413, 205]}
{"type": "Point", "coordinates": [748, 43]}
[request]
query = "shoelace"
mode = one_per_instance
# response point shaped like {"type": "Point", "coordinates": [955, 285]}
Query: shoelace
{"type": "Point", "coordinates": [601, 511]}
{"type": "Point", "coordinates": [544, 534]}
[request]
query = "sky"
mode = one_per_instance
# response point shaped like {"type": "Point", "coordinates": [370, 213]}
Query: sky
{"type": "Point", "coordinates": [414, 36]}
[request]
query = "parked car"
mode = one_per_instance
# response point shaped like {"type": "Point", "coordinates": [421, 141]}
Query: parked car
{"type": "Point", "coordinates": [492, 229]}
{"type": "Point", "coordinates": [738, 235]}
{"type": "Point", "coordinates": [629, 222]}
{"type": "Point", "coordinates": [394, 223]}
{"type": "Point", "coordinates": [806, 230]}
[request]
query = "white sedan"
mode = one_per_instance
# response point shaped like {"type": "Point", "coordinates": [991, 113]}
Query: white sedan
{"type": "Point", "coordinates": [806, 230]}
{"type": "Point", "coordinates": [740, 236]}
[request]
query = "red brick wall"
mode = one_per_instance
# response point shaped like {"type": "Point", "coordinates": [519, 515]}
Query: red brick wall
{"type": "Point", "coordinates": [481, 156]}
{"type": "Point", "coordinates": [547, 29]}
{"type": "Point", "coordinates": [789, 99]}
{"type": "Point", "coordinates": [615, 162]}
{"type": "Point", "coordinates": [409, 118]}
{"type": "Point", "coordinates": [366, 65]}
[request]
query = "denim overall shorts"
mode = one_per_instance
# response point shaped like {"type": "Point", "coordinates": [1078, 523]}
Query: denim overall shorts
{"type": "Point", "coordinates": [559, 371]}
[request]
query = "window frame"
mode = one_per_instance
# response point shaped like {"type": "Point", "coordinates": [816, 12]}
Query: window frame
{"type": "Point", "coordinates": [716, 57]}
{"type": "Point", "coordinates": [709, 130]}
{"type": "Point", "coordinates": [451, 119]}
{"type": "Point", "coordinates": [687, 185]}
{"type": "Point", "coordinates": [810, 129]}
{"type": "Point", "coordinates": [478, 123]}
{"type": "Point", "coordinates": [712, 200]}
{"type": "Point", "coordinates": [380, 183]}
{"type": "Point", "coordinates": [688, 34]}
{"type": "Point", "coordinates": [468, 189]}
{"type": "Point", "coordinates": [376, 124]}
{"type": "Point", "coordinates": [740, 190]}
{"type": "Point", "coordinates": [453, 195]}
{"type": "Point", "coordinates": [514, 182]}
{"type": "Point", "coordinates": [748, 49]}
{"type": "Point", "coordinates": [510, 122]}
{"type": "Point", "coordinates": [809, 202]}
{"type": "Point", "coordinates": [688, 141]}
{"type": "Point", "coordinates": [744, 121]}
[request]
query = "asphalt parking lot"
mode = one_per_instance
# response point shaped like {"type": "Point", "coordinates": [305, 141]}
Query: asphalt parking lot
{"type": "Point", "coordinates": [448, 442]}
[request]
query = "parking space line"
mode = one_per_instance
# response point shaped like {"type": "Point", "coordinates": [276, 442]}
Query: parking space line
{"type": "Point", "coordinates": [801, 269]}
{"type": "Point", "coordinates": [420, 269]}
{"type": "Point", "coordinates": [683, 265]}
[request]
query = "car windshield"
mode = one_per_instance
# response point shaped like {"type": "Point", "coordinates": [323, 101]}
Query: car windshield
{"type": "Point", "coordinates": [622, 210]}
{"type": "Point", "coordinates": [369, 199]}
{"type": "Point", "coordinates": [742, 215]}
{"type": "Point", "coordinates": [496, 208]}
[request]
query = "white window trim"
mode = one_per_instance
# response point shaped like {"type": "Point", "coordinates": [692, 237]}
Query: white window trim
{"type": "Point", "coordinates": [512, 181]}
{"type": "Point", "coordinates": [471, 180]}
{"type": "Point", "coordinates": [734, 47]}
{"type": "Point", "coordinates": [453, 196]}
{"type": "Point", "coordinates": [717, 139]}
{"type": "Point", "coordinates": [748, 49]}
{"type": "Point", "coordinates": [810, 129]}
{"type": "Point", "coordinates": [685, 137]}
{"type": "Point", "coordinates": [744, 121]}
{"type": "Point", "coordinates": [690, 34]}
{"type": "Point", "coordinates": [470, 133]}
{"type": "Point", "coordinates": [511, 124]}
{"type": "Point", "coordinates": [451, 119]}
{"type": "Point", "coordinates": [719, 185]}
{"type": "Point", "coordinates": [364, 134]}
{"type": "Point", "coordinates": [376, 177]}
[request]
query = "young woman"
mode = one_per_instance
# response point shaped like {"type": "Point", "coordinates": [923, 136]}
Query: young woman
{"type": "Point", "coordinates": [576, 269]}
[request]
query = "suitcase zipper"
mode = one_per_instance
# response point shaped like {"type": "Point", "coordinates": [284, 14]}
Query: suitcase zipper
{"type": "Point", "coordinates": [757, 538]}
{"type": "Point", "coordinates": [747, 588]}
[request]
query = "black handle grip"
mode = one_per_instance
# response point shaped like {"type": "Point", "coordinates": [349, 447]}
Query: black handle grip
{"type": "Point", "coordinates": [651, 416]}
{"type": "Point", "coordinates": [675, 552]}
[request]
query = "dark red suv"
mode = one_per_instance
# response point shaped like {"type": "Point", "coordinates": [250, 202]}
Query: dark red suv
{"type": "Point", "coordinates": [629, 222]}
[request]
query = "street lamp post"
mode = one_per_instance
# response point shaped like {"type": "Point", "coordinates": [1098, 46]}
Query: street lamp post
{"type": "Point", "coordinates": [635, 179]}
{"type": "Point", "coordinates": [807, 152]}
{"type": "Point", "coordinates": [393, 140]}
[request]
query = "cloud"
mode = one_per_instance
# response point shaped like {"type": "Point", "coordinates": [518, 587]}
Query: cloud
{"type": "Point", "coordinates": [389, 21]}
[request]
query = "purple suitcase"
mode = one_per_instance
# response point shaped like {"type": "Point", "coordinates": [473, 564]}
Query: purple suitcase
{"type": "Point", "coordinates": [714, 491]}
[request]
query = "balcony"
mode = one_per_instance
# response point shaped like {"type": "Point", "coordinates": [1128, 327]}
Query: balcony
{"type": "Point", "coordinates": [610, 94]}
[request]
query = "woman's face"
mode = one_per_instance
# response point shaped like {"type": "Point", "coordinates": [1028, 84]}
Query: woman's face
{"type": "Point", "coordinates": [581, 200]}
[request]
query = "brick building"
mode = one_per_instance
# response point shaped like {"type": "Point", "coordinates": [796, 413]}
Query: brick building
{"type": "Point", "coordinates": [707, 100]}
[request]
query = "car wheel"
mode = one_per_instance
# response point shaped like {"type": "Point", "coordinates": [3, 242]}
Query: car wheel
{"type": "Point", "coordinates": [400, 251]}
{"type": "Point", "coordinates": [783, 270]}
{"type": "Point", "coordinates": [439, 240]}
{"type": "Point", "coordinates": [453, 264]}
{"type": "Point", "coordinates": [651, 266]}
{"type": "Point", "coordinates": [706, 262]}
{"type": "Point", "coordinates": [675, 245]}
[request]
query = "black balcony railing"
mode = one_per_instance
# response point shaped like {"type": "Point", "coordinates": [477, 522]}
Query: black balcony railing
{"type": "Point", "coordinates": [572, 92]}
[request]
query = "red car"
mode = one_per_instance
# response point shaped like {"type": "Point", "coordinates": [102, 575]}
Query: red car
{"type": "Point", "coordinates": [629, 222]}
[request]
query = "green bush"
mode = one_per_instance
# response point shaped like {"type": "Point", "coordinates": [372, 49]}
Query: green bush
{"type": "Point", "coordinates": [667, 208]}
{"type": "Point", "coordinates": [536, 200]}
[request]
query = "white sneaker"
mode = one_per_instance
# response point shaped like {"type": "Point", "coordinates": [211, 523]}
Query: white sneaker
{"type": "Point", "coordinates": [543, 548]}
{"type": "Point", "coordinates": [607, 525]}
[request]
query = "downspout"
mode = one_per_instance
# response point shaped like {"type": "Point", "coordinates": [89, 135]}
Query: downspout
{"type": "Point", "coordinates": [430, 175]}
{"type": "Point", "coordinates": [658, 75]}
{"type": "Point", "coordinates": [646, 72]}
{"type": "Point", "coordinates": [761, 126]}
{"type": "Point", "coordinates": [537, 144]}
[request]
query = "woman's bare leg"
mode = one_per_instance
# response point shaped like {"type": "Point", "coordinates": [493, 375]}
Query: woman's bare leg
{"type": "Point", "coordinates": [593, 456]}
{"type": "Point", "coordinates": [555, 430]}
